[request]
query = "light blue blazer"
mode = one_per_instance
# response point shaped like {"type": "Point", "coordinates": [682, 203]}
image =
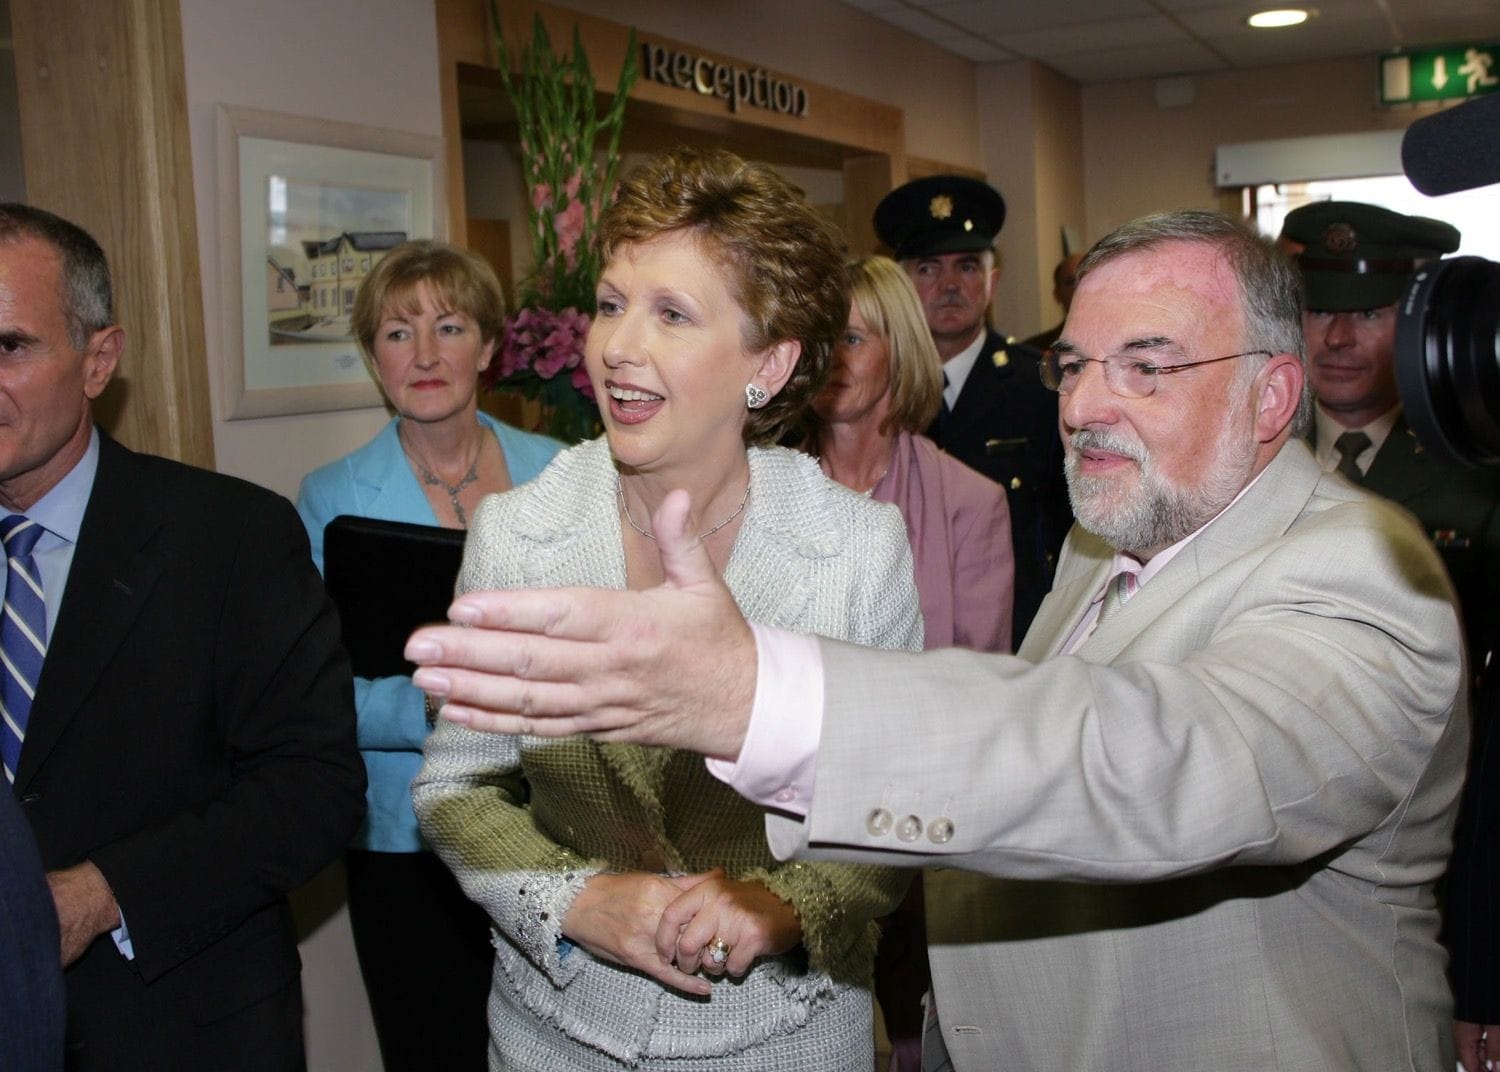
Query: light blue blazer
{"type": "Point", "coordinates": [376, 481]}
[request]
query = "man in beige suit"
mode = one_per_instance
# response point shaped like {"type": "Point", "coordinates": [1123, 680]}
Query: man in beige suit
{"type": "Point", "coordinates": [1203, 809]}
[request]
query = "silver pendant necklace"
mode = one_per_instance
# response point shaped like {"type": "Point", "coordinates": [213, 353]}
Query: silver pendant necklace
{"type": "Point", "coordinates": [431, 479]}
{"type": "Point", "coordinates": [625, 509]}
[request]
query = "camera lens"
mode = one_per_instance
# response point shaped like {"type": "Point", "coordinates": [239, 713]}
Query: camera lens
{"type": "Point", "coordinates": [1448, 360]}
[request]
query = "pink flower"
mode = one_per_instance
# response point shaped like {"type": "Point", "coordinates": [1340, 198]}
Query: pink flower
{"type": "Point", "coordinates": [571, 186]}
{"type": "Point", "coordinates": [540, 194]}
{"type": "Point", "coordinates": [582, 383]}
{"type": "Point", "coordinates": [569, 227]}
{"type": "Point", "coordinates": [544, 342]}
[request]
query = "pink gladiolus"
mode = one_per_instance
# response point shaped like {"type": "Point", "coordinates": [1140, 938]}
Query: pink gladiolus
{"type": "Point", "coordinates": [569, 227]}
{"type": "Point", "coordinates": [571, 186]}
{"type": "Point", "coordinates": [540, 194]}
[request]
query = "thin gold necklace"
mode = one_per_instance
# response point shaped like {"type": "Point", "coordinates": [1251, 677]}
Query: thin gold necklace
{"type": "Point", "coordinates": [433, 480]}
{"type": "Point", "coordinates": [625, 509]}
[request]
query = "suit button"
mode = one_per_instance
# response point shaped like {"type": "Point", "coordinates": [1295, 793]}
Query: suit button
{"type": "Point", "coordinates": [940, 831]}
{"type": "Point", "coordinates": [30, 798]}
{"type": "Point", "coordinates": [879, 822]}
{"type": "Point", "coordinates": [909, 829]}
{"type": "Point", "coordinates": [1015, 483]}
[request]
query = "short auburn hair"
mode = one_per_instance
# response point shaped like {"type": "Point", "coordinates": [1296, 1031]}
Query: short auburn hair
{"type": "Point", "coordinates": [784, 258]}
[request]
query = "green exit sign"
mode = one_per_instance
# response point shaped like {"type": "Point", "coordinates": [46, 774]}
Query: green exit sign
{"type": "Point", "coordinates": [1439, 74]}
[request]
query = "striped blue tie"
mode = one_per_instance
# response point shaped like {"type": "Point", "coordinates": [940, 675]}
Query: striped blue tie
{"type": "Point", "coordinates": [23, 635]}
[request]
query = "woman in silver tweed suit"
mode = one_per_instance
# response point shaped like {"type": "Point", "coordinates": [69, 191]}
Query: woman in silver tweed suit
{"type": "Point", "coordinates": [721, 299]}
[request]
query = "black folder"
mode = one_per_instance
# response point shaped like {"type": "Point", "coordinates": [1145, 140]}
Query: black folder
{"type": "Point", "coordinates": [387, 578]}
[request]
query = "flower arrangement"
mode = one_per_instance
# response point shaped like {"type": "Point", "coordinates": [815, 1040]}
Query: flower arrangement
{"type": "Point", "coordinates": [541, 353]}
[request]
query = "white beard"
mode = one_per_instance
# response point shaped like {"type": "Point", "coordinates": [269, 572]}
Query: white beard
{"type": "Point", "coordinates": [1153, 513]}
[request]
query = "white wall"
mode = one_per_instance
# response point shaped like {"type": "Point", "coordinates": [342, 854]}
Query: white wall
{"type": "Point", "coordinates": [372, 62]}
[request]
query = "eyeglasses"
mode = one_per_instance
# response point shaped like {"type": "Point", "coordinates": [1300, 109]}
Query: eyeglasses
{"type": "Point", "coordinates": [1124, 376]}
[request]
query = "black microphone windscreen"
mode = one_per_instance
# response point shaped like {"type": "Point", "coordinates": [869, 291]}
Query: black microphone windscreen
{"type": "Point", "coordinates": [1456, 149]}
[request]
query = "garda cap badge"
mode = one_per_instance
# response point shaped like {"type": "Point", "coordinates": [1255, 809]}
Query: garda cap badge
{"type": "Point", "coordinates": [941, 207]}
{"type": "Point", "coordinates": [1340, 237]}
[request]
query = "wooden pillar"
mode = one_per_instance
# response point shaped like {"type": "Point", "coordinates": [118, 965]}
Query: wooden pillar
{"type": "Point", "coordinates": [105, 139]}
{"type": "Point", "coordinates": [866, 180]}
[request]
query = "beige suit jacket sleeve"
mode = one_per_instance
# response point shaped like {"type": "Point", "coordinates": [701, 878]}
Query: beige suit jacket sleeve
{"type": "Point", "coordinates": [1279, 690]}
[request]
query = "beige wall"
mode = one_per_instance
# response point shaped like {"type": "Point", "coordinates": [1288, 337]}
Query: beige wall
{"type": "Point", "coordinates": [1031, 131]}
{"type": "Point", "coordinates": [288, 56]}
{"type": "Point", "coordinates": [1140, 157]}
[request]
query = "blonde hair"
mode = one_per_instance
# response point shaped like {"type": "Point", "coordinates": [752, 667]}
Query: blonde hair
{"type": "Point", "coordinates": [889, 304]}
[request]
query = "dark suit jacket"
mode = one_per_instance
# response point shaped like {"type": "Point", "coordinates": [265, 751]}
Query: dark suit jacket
{"type": "Point", "coordinates": [193, 736]}
{"type": "Point", "coordinates": [1460, 509]}
{"type": "Point", "coordinates": [1471, 924]}
{"type": "Point", "coordinates": [31, 982]}
{"type": "Point", "coordinates": [1005, 426]}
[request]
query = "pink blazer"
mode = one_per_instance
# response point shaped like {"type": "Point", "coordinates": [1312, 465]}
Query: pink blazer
{"type": "Point", "coordinates": [959, 526]}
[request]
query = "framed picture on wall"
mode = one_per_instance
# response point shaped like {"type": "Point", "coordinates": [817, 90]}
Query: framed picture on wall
{"type": "Point", "coordinates": [307, 209]}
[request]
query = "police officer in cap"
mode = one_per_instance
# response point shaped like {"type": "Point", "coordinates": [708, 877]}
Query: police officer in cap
{"type": "Point", "coordinates": [997, 417]}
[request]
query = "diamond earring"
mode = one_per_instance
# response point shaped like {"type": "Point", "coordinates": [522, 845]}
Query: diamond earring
{"type": "Point", "coordinates": [756, 396]}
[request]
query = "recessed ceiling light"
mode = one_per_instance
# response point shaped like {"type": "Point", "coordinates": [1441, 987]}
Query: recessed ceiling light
{"type": "Point", "coordinates": [1279, 17]}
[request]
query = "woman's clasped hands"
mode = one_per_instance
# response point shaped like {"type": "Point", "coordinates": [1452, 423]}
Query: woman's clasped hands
{"type": "Point", "coordinates": [672, 926]}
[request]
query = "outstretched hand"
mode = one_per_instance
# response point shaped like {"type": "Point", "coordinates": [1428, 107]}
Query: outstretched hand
{"type": "Point", "coordinates": [672, 665]}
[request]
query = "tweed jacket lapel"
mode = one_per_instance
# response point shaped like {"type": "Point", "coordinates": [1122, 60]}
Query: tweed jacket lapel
{"type": "Point", "coordinates": [1268, 508]}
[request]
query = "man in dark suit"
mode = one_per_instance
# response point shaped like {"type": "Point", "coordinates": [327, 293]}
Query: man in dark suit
{"type": "Point", "coordinates": [184, 745]}
{"type": "Point", "coordinates": [997, 418]}
{"type": "Point", "coordinates": [1356, 260]}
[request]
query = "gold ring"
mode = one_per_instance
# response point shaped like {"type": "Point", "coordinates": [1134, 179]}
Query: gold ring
{"type": "Point", "coordinates": [718, 950]}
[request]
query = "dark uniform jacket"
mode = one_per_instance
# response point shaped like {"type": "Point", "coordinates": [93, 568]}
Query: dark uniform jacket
{"type": "Point", "coordinates": [1005, 426]}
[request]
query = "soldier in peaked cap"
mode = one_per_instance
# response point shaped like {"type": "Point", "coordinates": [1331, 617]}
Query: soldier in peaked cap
{"type": "Point", "coordinates": [997, 418]}
{"type": "Point", "coordinates": [1356, 260]}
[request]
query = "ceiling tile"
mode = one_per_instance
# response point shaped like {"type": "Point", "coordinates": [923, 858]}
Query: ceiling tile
{"type": "Point", "coordinates": [1113, 65]}
{"type": "Point", "coordinates": [1247, 50]}
{"type": "Point", "coordinates": [989, 17]}
{"type": "Point", "coordinates": [1102, 36]}
{"type": "Point", "coordinates": [916, 22]}
{"type": "Point", "coordinates": [1438, 28]}
{"type": "Point", "coordinates": [977, 49]}
{"type": "Point", "coordinates": [1105, 40]}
